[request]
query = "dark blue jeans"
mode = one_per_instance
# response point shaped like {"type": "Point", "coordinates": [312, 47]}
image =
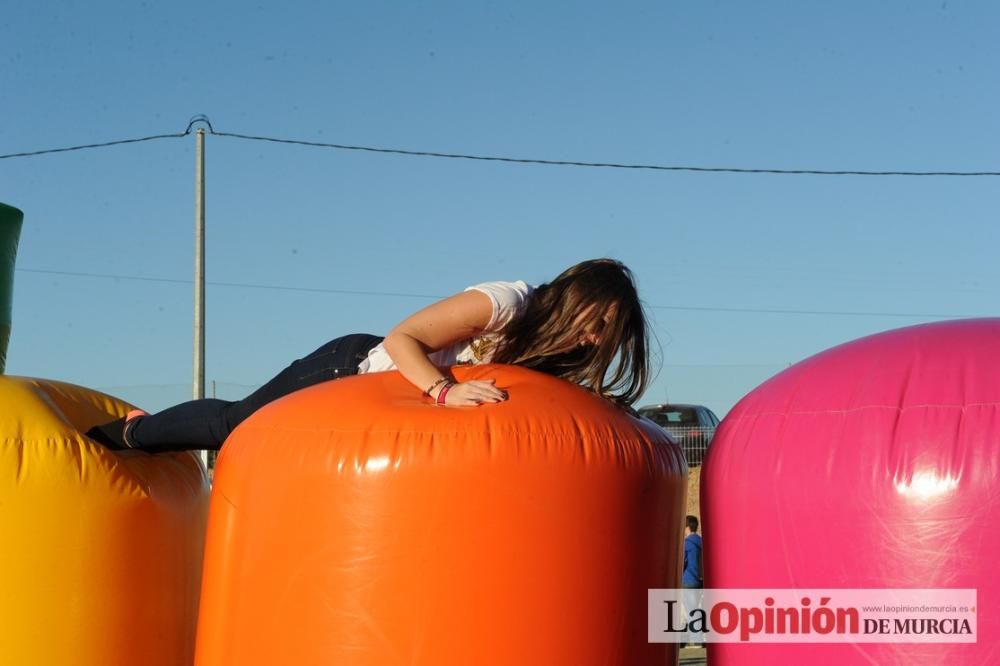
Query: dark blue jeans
{"type": "Point", "coordinates": [205, 424]}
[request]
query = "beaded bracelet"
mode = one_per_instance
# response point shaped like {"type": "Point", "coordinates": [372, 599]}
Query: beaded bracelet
{"type": "Point", "coordinates": [433, 386]}
{"type": "Point", "coordinates": [444, 392]}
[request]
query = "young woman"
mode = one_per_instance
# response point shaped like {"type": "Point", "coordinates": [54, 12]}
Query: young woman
{"type": "Point", "coordinates": [586, 326]}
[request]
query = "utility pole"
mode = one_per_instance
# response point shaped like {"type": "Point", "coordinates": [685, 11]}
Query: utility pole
{"type": "Point", "coordinates": [198, 382]}
{"type": "Point", "coordinates": [211, 456]}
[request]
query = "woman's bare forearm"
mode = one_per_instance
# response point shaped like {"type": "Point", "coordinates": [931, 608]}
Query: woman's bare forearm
{"type": "Point", "coordinates": [444, 323]}
{"type": "Point", "coordinates": [411, 359]}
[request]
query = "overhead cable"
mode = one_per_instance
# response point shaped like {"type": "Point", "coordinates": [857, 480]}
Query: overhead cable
{"type": "Point", "coordinates": [394, 294]}
{"type": "Point", "coordinates": [511, 160]}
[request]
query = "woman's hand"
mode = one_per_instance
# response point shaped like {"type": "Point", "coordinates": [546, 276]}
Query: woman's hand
{"type": "Point", "coordinates": [474, 392]}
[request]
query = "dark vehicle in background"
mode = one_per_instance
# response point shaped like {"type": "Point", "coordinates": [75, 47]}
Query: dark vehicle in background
{"type": "Point", "coordinates": [691, 426]}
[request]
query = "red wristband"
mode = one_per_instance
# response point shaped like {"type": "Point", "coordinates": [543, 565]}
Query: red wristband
{"type": "Point", "coordinates": [443, 392]}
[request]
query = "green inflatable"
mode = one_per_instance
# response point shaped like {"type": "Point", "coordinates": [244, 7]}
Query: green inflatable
{"type": "Point", "coordinates": [10, 231]}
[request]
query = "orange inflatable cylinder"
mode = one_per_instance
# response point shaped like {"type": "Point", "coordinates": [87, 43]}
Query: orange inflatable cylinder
{"type": "Point", "coordinates": [101, 556]}
{"type": "Point", "coordinates": [356, 523]}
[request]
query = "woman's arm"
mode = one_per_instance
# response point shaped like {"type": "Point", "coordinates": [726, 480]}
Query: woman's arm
{"type": "Point", "coordinates": [460, 317]}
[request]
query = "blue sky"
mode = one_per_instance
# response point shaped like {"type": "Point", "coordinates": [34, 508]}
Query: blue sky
{"type": "Point", "coordinates": [846, 85]}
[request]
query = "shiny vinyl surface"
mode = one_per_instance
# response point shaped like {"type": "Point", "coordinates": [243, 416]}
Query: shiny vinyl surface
{"type": "Point", "coordinates": [875, 464]}
{"type": "Point", "coordinates": [356, 523]}
{"type": "Point", "coordinates": [101, 556]}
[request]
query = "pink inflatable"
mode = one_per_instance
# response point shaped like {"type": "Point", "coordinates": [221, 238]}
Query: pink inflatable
{"type": "Point", "coordinates": [872, 465]}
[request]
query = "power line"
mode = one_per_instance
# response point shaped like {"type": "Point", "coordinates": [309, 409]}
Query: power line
{"type": "Point", "coordinates": [106, 144]}
{"type": "Point", "coordinates": [838, 313]}
{"type": "Point", "coordinates": [238, 285]}
{"type": "Point", "coordinates": [350, 292]}
{"type": "Point", "coordinates": [508, 160]}
{"type": "Point", "coordinates": [604, 165]}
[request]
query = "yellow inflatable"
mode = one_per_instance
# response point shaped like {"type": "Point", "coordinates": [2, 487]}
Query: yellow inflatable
{"type": "Point", "coordinates": [100, 552]}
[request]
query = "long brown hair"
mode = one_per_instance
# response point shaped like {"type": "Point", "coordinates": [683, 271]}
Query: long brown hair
{"type": "Point", "coordinates": [546, 337]}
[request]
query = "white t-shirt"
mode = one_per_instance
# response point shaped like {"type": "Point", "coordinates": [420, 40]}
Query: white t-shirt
{"type": "Point", "coordinates": [509, 300]}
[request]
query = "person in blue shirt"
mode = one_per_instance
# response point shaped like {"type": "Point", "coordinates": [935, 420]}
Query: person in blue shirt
{"type": "Point", "coordinates": [694, 575]}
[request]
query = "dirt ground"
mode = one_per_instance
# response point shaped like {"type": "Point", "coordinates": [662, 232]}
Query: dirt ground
{"type": "Point", "coordinates": [694, 492]}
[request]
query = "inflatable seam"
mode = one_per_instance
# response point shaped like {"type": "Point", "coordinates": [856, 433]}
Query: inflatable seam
{"type": "Point", "coordinates": [755, 415]}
